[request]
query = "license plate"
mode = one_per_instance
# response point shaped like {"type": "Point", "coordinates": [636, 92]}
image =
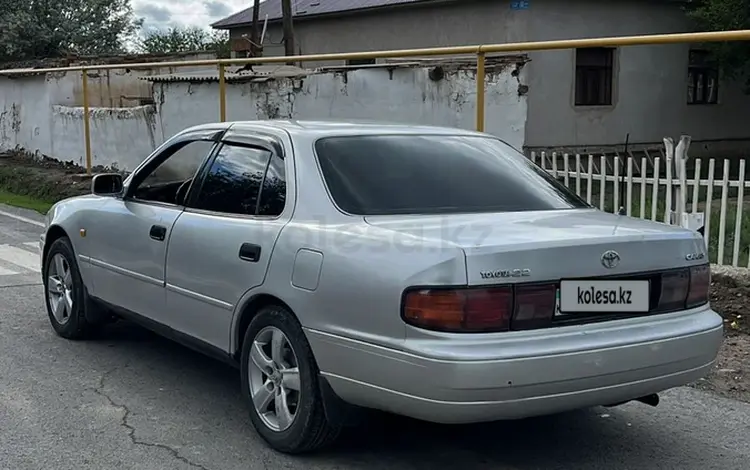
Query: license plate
{"type": "Point", "coordinates": [603, 297]}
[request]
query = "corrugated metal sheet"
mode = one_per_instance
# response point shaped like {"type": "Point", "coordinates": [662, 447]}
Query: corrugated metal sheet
{"type": "Point", "coordinates": [31, 67]}
{"type": "Point", "coordinates": [262, 73]}
{"type": "Point", "coordinates": [302, 8]}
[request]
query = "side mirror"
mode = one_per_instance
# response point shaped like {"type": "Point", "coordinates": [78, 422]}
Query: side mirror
{"type": "Point", "coordinates": [106, 184]}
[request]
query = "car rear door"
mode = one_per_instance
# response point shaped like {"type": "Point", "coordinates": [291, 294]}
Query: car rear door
{"type": "Point", "coordinates": [221, 245]}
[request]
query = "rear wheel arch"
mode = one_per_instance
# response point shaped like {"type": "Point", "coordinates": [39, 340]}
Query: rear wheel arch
{"type": "Point", "coordinates": [248, 312]}
{"type": "Point", "coordinates": [337, 413]}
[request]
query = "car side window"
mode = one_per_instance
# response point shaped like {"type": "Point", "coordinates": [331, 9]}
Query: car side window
{"type": "Point", "coordinates": [273, 194]}
{"type": "Point", "coordinates": [169, 181]}
{"type": "Point", "coordinates": [233, 182]}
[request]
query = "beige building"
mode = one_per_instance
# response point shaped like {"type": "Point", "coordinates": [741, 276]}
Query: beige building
{"type": "Point", "coordinates": [580, 99]}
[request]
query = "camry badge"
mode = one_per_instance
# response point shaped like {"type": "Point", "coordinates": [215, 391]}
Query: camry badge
{"type": "Point", "coordinates": [610, 259]}
{"type": "Point", "coordinates": [505, 273]}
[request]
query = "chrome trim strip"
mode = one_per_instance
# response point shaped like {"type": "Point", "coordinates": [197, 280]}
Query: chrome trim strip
{"type": "Point", "coordinates": [201, 297]}
{"type": "Point", "coordinates": [126, 272]}
{"type": "Point", "coordinates": [519, 400]}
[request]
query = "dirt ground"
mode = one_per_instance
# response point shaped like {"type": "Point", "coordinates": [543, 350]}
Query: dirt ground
{"type": "Point", "coordinates": [50, 180]}
{"type": "Point", "coordinates": [41, 177]}
{"type": "Point", "coordinates": [730, 294]}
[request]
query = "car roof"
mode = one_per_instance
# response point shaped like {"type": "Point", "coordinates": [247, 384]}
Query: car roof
{"type": "Point", "coordinates": [339, 127]}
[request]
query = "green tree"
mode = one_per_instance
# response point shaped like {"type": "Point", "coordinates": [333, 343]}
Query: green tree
{"type": "Point", "coordinates": [187, 39]}
{"type": "Point", "coordinates": [725, 15]}
{"type": "Point", "coordinates": [55, 28]}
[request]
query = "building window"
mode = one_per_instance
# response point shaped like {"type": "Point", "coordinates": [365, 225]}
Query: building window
{"type": "Point", "coordinates": [703, 78]}
{"type": "Point", "coordinates": [360, 62]}
{"type": "Point", "coordinates": [594, 71]}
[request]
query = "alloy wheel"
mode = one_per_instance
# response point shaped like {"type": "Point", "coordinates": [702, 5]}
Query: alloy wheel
{"type": "Point", "coordinates": [273, 372]}
{"type": "Point", "coordinates": [60, 288]}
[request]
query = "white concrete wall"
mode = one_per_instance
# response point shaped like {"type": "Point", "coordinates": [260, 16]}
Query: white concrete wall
{"type": "Point", "coordinates": [32, 118]}
{"type": "Point", "coordinates": [115, 88]}
{"type": "Point", "coordinates": [405, 96]}
{"type": "Point", "coordinates": [24, 113]}
{"type": "Point", "coordinates": [120, 137]}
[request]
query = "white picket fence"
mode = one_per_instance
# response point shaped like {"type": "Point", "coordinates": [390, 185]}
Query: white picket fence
{"type": "Point", "coordinates": [648, 188]}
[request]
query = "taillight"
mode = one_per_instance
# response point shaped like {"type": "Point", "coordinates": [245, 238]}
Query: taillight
{"type": "Point", "coordinates": [481, 310]}
{"type": "Point", "coordinates": [460, 310]}
{"type": "Point", "coordinates": [528, 307]}
{"type": "Point", "coordinates": [534, 306]}
{"type": "Point", "coordinates": [700, 283]}
{"type": "Point", "coordinates": [686, 288]}
{"type": "Point", "coordinates": [674, 289]}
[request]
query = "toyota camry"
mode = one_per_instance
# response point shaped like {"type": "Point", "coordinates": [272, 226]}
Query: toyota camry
{"type": "Point", "coordinates": [430, 272]}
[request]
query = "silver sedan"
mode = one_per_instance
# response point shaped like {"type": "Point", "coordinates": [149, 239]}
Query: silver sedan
{"type": "Point", "coordinates": [430, 272]}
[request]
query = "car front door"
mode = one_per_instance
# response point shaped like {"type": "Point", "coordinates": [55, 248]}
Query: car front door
{"type": "Point", "coordinates": [128, 240]}
{"type": "Point", "coordinates": [221, 245]}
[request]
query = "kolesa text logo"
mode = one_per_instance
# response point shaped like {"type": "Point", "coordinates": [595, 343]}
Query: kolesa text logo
{"type": "Point", "coordinates": [594, 296]}
{"type": "Point", "coordinates": [599, 296]}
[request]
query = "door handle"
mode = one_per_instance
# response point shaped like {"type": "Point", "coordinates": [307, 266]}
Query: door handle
{"type": "Point", "coordinates": [158, 232]}
{"type": "Point", "coordinates": [250, 252]}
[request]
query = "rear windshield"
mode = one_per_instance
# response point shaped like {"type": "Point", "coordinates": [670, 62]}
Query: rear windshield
{"type": "Point", "coordinates": [435, 174]}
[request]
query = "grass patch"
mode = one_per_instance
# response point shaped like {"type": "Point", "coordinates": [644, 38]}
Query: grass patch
{"type": "Point", "coordinates": [25, 202]}
{"type": "Point", "coordinates": [35, 185]}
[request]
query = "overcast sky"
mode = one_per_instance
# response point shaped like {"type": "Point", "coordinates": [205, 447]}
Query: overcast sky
{"type": "Point", "coordinates": [170, 13]}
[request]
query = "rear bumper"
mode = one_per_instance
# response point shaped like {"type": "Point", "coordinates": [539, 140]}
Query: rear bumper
{"type": "Point", "coordinates": [460, 379]}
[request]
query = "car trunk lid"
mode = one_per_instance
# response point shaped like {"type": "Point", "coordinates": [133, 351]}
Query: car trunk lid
{"type": "Point", "coordinates": [552, 245]}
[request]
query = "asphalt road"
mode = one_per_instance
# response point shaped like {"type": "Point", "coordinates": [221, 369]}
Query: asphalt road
{"type": "Point", "coordinates": [132, 400]}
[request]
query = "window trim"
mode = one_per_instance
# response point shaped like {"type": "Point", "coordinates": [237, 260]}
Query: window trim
{"type": "Point", "coordinates": [615, 70]}
{"type": "Point", "coordinates": [198, 177]}
{"type": "Point", "coordinates": [259, 140]}
{"type": "Point", "coordinates": [263, 183]}
{"type": "Point", "coordinates": [244, 142]}
{"type": "Point", "coordinates": [147, 167]}
{"type": "Point", "coordinates": [327, 190]}
{"type": "Point", "coordinates": [214, 134]}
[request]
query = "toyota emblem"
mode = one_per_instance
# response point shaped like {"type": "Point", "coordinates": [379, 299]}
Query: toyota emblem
{"type": "Point", "coordinates": [610, 259]}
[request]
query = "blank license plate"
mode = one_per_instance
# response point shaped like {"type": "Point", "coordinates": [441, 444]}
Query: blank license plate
{"type": "Point", "coordinates": [604, 296]}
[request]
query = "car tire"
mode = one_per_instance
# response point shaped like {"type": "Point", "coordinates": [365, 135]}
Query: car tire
{"type": "Point", "coordinates": [68, 292]}
{"type": "Point", "coordinates": [310, 429]}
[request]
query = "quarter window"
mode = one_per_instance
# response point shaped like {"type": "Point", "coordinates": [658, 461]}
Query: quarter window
{"type": "Point", "coordinates": [233, 182]}
{"type": "Point", "coordinates": [273, 195]}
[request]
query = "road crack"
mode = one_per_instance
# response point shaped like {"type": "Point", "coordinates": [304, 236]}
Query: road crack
{"type": "Point", "coordinates": [13, 286]}
{"type": "Point", "coordinates": [130, 429]}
